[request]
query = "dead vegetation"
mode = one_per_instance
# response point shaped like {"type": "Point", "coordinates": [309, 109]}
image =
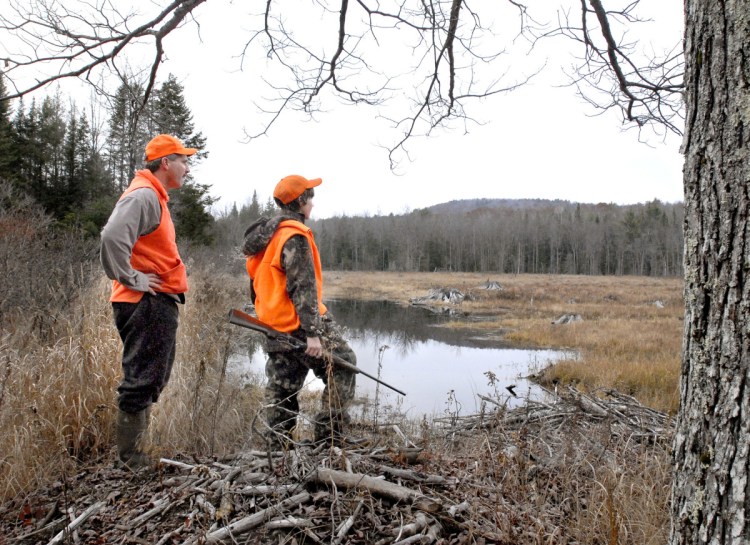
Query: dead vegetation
{"type": "Point", "coordinates": [592, 467]}
{"type": "Point", "coordinates": [580, 469]}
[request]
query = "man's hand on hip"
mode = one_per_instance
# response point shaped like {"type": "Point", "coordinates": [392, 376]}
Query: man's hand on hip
{"type": "Point", "coordinates": [154, 282]}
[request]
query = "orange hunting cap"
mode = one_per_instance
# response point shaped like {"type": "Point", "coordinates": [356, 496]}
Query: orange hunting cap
{"type": "Point", "coordinates": [165, 144]}
{"type": "Point", "coordinates": [293, 186]}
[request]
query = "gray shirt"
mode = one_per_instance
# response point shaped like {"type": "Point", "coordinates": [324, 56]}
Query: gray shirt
{"type": "Point", "coordinates": [135, 215]}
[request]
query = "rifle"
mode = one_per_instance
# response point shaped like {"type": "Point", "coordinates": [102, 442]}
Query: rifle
{"type": "Point", "coordinates": [237, 317]}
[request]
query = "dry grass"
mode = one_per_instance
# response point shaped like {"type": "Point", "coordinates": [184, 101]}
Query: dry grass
{"type": "Point", "coordinates": [57, 392]}
{"type": "Point", "coordinates": [625, 341]}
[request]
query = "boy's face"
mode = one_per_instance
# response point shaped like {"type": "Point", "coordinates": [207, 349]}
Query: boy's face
{"type": "Point", "coordinates": [306, 209]}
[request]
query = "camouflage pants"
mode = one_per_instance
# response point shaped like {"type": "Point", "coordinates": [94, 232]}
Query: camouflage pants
{"type": "Point", "coordinates": [286, 372]}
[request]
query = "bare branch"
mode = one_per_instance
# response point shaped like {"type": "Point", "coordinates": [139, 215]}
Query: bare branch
{"type": "Point", "coordinates": [60, 43]}
{"type": "Point", "coordinates": [445, 41]}
{"type": "Point", "coordinates": [431, 60]}
{"type": "Point", "coordinates": [613, 74]}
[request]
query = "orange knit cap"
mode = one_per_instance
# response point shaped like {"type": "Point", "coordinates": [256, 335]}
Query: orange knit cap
{"type": "Point", "coordinates": [293, 186]}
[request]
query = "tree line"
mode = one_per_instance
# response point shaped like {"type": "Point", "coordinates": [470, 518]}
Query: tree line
{"type": "Point", "coordinates": [76, 161]}
{"type": "Point", "coordinates": [522, 236]}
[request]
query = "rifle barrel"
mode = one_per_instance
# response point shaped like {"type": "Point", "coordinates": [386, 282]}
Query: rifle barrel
{"type": "Point", "coordinates": [237, 317]}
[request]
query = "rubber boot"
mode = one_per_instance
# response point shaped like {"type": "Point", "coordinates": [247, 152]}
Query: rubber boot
{"type": "Point", "coordinates": [131, 428]}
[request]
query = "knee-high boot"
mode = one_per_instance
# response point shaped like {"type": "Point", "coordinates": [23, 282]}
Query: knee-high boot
{"type": "Point", "coordinates": [131, 428]}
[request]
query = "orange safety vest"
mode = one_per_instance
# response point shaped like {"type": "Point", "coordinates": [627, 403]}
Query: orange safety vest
{"type": "Point", "coordinates": [272, 302]}
{"type": "Point", "coordinates": [155, 252]}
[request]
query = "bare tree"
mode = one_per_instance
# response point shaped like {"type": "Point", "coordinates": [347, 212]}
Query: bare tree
{"type": "Point", "coordinates": [50, 41]}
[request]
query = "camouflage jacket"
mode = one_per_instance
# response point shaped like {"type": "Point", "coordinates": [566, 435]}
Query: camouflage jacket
{"type": "Point", "coordinates": [297, 261]}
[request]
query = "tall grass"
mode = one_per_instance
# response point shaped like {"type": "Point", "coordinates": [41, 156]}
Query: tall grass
{"type": "Point", "coordinates": [58, 386]}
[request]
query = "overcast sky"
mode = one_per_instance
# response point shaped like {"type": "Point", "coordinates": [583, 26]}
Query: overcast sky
{"type": "Point", "coordinates": [539, 141]}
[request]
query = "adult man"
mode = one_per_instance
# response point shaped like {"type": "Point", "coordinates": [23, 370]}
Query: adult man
{"type": "Point", "coordinates": [287, 289]}
{"type": "Point", "coordinates": [139, 253]}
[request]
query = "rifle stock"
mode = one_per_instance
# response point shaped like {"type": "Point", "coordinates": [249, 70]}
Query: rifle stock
{"type": "Point", "coordinates": [237, 317]}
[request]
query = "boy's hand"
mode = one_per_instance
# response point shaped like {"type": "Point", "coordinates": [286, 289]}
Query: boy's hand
{"type": "Point", "coordinates": [314, 348]}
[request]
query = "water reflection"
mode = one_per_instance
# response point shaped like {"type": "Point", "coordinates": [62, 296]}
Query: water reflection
{"type": "Point", "coordinates": [442, 370]}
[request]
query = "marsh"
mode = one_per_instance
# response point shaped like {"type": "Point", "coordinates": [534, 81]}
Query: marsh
{"type": "Point", "coordinates": [443, 370]}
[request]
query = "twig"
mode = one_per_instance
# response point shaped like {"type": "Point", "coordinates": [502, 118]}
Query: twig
{"type": "Point", "coordinates": [347, 525]}
{"type": "Point", "coordinates": [43, 530]}
{"type": "Point", "coordinates": [413, 539]}
{"type": "Point", "coordinates": [417, 476]}
{"type": "Point", "coordinates": [407, 442]}
{"type": "Point", "coordinates": [177, 464]}
{"type": "Point", "coordinates": [160, 506]}
{"type": "Point", "coordinates": [248, 523]}
{"type": "Point", "coordinates": [375, 486]}
{"type": "Point", "coordinates": [288, 522]}
{"type": "Point", "coordinates": [93, 509]}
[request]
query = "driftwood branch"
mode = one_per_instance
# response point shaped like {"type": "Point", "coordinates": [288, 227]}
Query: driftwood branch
{"type": "Point", "coordinates": [248, 523]}
{"type": "Point", "coordinates": [60, 537]}
{"type": "Point", "coordinates": [375, 486]}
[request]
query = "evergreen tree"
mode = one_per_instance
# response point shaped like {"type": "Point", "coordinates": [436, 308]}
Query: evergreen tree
{"type": "Point", "coordinates": [190, 205]}
{"type": "Point", "coordinates": [75, 157]}
{"type": "Point", "coordinates": [251, 212]}
{"type": "Point", "coordinates": [27, 163]}
{"type": "Point", "coordinates": [7, 150]}
{"type": "Point", "coordinates": [51, 136]}
{"type": "Point", "coordinates": [171, 115]}
{"type": "Point", "coordinates": [98, 187]}
{"type": "Point", "coordinates": [128, 134]}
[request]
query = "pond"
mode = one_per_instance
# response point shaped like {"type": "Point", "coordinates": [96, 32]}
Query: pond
{"type": "Point", "coordinates": [442, 370]}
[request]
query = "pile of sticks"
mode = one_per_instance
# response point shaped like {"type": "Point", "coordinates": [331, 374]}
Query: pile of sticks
{"type": "Point", "coordinates": [395, 492]}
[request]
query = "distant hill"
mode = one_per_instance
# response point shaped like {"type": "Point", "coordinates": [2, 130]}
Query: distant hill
{"type": "Point", "coordinates": [471, 205]}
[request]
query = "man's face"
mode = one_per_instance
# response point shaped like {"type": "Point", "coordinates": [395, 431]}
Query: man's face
{"type": "Point", "coordinates": [177, 167]}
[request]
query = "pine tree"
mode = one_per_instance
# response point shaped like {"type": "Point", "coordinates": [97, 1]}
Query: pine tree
{"type": "Point", "coordinates": [52, 128]}
{"type": "Point", "coordinates": [27, 163]}
{"type": "Point", "coordinates": [7, 150]}
{"type": "Point", "coordinates": [252, 212]}
{"type": "Point", "coordinates": [74, 159]}
{"type": "Point", "coordinates": [171, 115]}
{"type": "Point", "coordinates": [128, 134]}
{"type": "Point", "coordinates": [190, 205]}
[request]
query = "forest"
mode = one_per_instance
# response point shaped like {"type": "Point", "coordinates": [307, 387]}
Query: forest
{"type": "Point", "coordinates": [74, 162]}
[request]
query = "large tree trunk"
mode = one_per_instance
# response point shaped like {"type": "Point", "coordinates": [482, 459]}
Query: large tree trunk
{"type": "Point", "coordinates": [711, 500]}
